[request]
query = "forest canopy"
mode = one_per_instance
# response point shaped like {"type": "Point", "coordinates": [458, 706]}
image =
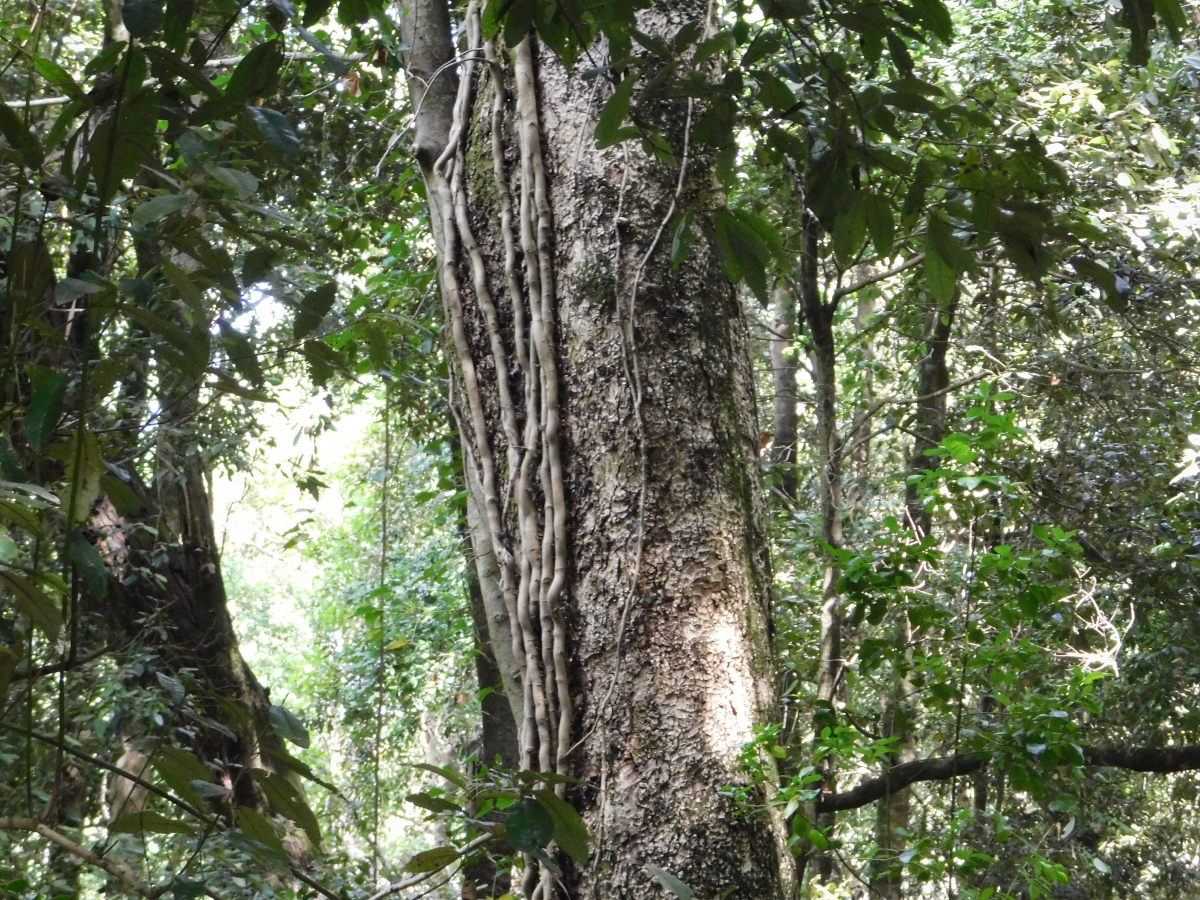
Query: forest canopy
{"type": "Point", "coordinates": [563, 450]}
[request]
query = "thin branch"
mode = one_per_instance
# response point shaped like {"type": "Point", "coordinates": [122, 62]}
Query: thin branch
{"type": "Point", "coordinates": [877, 277]}
{"type": "Point", "coordinates": [122, 873]}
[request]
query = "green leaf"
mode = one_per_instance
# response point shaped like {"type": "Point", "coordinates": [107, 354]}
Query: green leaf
{"type": "Point", "coordinates": [45, 410]}
{"type": "Point", "coordinates": [149, 823]}
{"type": "Point", "coordinates": [58, 76]}
{"type": "Point", "coordinates": [936, 17]}
{"type": "Point", "coordinates": [84, 469]}
{"type": "Point", "coordinates": [288, 726]}
{"type": "Point", "coordinates": [315, 11]}
{"type": "Point", "coordinates": [179, 769]}
{"type": "Point", "coordinates": [431, 860]}
{"type": "Point", "coordinates": [446, 772]}
{"type": "Point", "coordinates": [747, 244]}
{"type": "Point", "coordinates": [159, 208]}
{"type": "Point", "coordinates": [124, 498]}
{"type": "Point", "coordinates": [278, 131]}
{"type": "Point", "coordinates": [20, 138]}
{"type": "Point", "coordinates": [119, 146]}
{"type": "Point", "coordinates": [256, 827]}
{"type": "Point", "coordinates": [105, 59]}
{"type": "Point", "coordinates": [940, 236]}
{"type": "Point", "coordinates": [314, 306]}
{"type": "Point", "coordinates": [850, 231]}
{"type": "Point", "coordinates": [569, 831]}
{"type": "Point", "coordinates": [1171, 14]}
{"type": "Point", "coordinates": [42, 611]}
{"type": "Point", "coordinates": [90, 564]}
{"type": "Point", "coordinates": [881, 223]}
{"type": "Point", "coordinates": [299, 767]}
{"type": "Point", "coordinates": [241, 183]}
{"type": "Point", "coordinates": [901, 58]}
{"type": "Point", "coordinates": [257, 75]}
{"type": "Point", "coordinates": [529, 826]}
{"type": "Point", "coordinates": [518, 21]}
{"type": "Point", "coordinates": [681, 240]}
{"type": "Point", "coordinates": [353, 12]}
{"type": "Point", "coordinates": [942, 280]}
{"type": "Point", "coordinates": [142, 17]}
{"type": "Point", "coordinates": [433, 804]}
{"type": "Point", "coordinates": [616, 110]}
{"type": "Point", "coordinates": [290, 803]}
{"type": "Point", "coordinates": [671, 883]}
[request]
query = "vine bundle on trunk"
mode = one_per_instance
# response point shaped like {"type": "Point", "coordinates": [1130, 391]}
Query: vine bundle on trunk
{"type": "Point", "coordinates": [606, 407]}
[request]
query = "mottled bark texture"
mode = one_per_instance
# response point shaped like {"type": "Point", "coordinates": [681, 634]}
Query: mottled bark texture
{"type": "Point", "coordinates": [603, 393]}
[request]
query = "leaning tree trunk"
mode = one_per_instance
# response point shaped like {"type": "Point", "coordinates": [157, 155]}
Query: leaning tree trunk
{"type": "Point", "coordinates": [606, 406]}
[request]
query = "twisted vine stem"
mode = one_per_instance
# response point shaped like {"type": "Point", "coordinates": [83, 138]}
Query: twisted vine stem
{"type": "Point", "coordinates": [526, 521]}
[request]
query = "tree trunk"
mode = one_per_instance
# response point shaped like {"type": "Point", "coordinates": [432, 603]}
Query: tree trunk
{"type": "Point", "coordinates": [819, 319]}
{"type": "Point", "coordinates": [609, 432]}
{"type": "Point", "coordinates": [783, 376]}
{"type": "Point", "coordinates": [892, 817]}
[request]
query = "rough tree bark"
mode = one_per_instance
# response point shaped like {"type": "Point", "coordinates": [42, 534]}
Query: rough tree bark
{"type": "Point", "coordinates": [609, 432]}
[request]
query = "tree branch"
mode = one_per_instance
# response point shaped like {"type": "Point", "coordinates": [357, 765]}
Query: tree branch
{"type": "Point", "coordinates": [878, 276]}
{"type": "Point", "coordinates": [943, 768]}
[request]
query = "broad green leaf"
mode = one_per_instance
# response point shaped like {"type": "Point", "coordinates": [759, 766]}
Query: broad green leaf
{"type": "Point", "coordinates": [41, 609]}
{"type": "Point", "coordinates": [256, 827]}
{"type": "Point", "coordinates": [940, 236]}
{"type": "Point", "coordinates": [299, 767]}
{"type": "Point", "coordinates": [124, 498]}
{"type": "Point", "coordinates": [105, 59]}
{"type": "Point", "coordinates": [431, 860]}
{"type": "Point", "coordinates": [316, 10]}
{"type": "Point", "coordinates": [84, 469]}
{"type": "Point", "coordinates": [529, 826]}
{"type": "Point", "coordinates": [278, 131]}
{"type": "Point", "coordinates": [850, 231]}
{"type": "Point", "coordinates": [159, 208]}
{"type": "Point", "coordinates": [671, 883]}
{"type": "Point", "coordinates": [747, 245]}
{"type": "Point", "coordinates": [881, 223]}
{"type": "Point", "coordinates": [16, 514]}
{"type": "Point", "coordinates": [616, 110]}
{"type": "Point", "coordinates": [433, 804]}
{"type": "Point", "coordinates": [120, 146]}
{"type": "Point", "coordinates": [314, 306]}
{"type": "Point", "coordinates": [90, 564]}
{"type": "Point", "coordinates": [142, 17]}
{"type": "Point", "coordinates": [451, 775]}
{"type": "Point", "coordinates": [257, 75]}
{"type": "Point", "coordinates": [176, 21]}
{"type": "Point", "coordinates": [289, 802]}
{"type": "Point", "coordinates": [943, 282]}
{"type": "Point", "coordinates": [20, 138]}
{"type": "Point", "coordinates": [288, 726]}
{"type": "Point", "coordinates": [517, 21]}
{"type": "Point", "coordinates": [45, 410]}
{"type": "Point", "coordinates": [569, 831]}
{"type": "Point", "coordinates": [148, 822]}
{"type": "Point", "coordinates": [936, 17]}
{"type": "Point", "coordinates": [8, 548]}
{"type": "Point", "coordinates": [179, 768]}
{"type": "Point", "coordinates": [58, 76]}
{"type": "Point", "coordinates": [242, 183]}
